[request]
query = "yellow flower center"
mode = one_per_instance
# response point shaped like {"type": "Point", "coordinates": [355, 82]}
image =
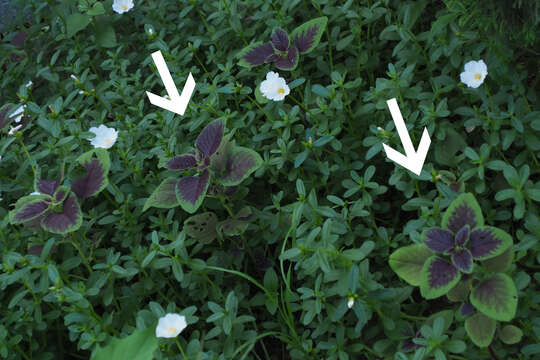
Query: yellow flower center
{"type": "Point", "coordinates": [124, 7]}
{"type": "Point", "coordinates": [108, 141]}
{"type": "Point", "coordinates": [171, 330]}
{"type": "Point", "coordinates": [280, 91]}
{"type": "Point", "coordinates": [477, 76]}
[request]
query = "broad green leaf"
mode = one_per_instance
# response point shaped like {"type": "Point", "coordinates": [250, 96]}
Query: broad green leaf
{"type": "Point", "coordinates": [140, 345]}
{"type": "Point", "coordinates": [164, 196]}
{"type": "Point", "coordinates": [480, 329]}
{"type": "Point", "coordinates": [496, 297]}
{"type": "Point", "coordinates": [202, 227]}
{"type": "Point", "coordinates": [240, 164]}
{"type": "Point", "coordinates": [76, 22]}
{"type": "Point", "coordinates": [510, 334]}
{"type": "Point", "coordinates": [499, 263]}
{"type": "Point", "coordinates": [408, 261]}
{"type": "Point", "coordinates": [97, 9]}
{"type": "Point", "coordinates": [259, 96]}
{"type": "Point", "coordinates": [105, 34]}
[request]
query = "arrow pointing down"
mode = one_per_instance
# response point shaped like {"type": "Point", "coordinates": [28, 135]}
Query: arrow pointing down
{"type": "Point", "coordinates": [412, 160]}
{"type": "Point", "coordinates": [177, 103]}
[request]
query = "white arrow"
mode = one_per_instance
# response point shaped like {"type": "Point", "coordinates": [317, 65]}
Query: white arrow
{"type": "Point", "coordinates": [177, 103]}
{"type": "Point", "coordinates": [412, 160]}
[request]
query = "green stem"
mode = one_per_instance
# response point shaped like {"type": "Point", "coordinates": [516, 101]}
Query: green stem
{"type": "Point", "coordinates": [180, 347]}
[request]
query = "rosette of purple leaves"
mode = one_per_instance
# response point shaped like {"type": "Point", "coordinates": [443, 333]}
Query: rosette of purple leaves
{"type": "Point", "coordinates": [56, 209]}
{"type": "Point", "coordinates": [445, 264]}
{"type": "Point", "coordinates": [284, 50]}
{"type": "Point", "coordinates": [217, 159]}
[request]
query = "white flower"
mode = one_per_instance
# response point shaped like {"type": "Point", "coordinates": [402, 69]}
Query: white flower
{"type": "Point", "coordinates": [122, 6]}
{"type": "Point", "coordinates": [81, 92]}
{"type": "Point", "coordinates": [35, 193]}
{"type": "Point", "coordinates": [28, 84]}
{"type": "Point", "coordinates": [73, 77]}
{"type": "Point", "coordinates": [18, 114]}
{"type": "Point", "coordinates": [469, 129]}
{"type": "Point", "coordinates": [170, 325]}
{"type": "Point", "coordinates": [350, 303]}
{"type": "Point", "coordinates": [474, 74]}
{"type": "Point", "coordinates": [274, 87]}
{"type": "Point", "coordinates": [13, 129]}
{"type": "Point", "coordinates": [150, 31]}
{"type": "Point", "coordinates": [105, 137]}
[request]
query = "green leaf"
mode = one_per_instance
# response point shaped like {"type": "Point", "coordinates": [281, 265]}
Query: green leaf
{"type": "Point", "coordinates": [510, 334]}
{"type": "Point", "coordinates": [408, 261]}
{"type": "Point", "coordinates": [446, 315]}
{"type": "Point", "coordinates": [105, 34]}
{"type": "Point", "coordinates": [496, 297]}
{"type": "Point", "coordinates": [459, 292]}
{"type": "Point", "coordinates": [202, 227]}
{"type": "Point", "coordinates": [140, 345]}
{"type": "Point", "coordinates": [259, 96]}
{"type": "Point", "coordinates": [76, 22]}
{"type": "Point", "coordinates": [164, 196]}
{"type": "Point", "coordinates": [499, 263]}
{"type": "Point", "coordinates": [480, 329]}
{"type": "Point", "coordinates": [243, 162]}
{"type": "Point", "coordinates": [97, 9]}
{"type": "Point", "coordinates": [307, 36]}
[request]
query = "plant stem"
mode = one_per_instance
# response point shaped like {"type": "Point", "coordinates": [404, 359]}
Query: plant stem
{"type": "Point", "coordinates": [180, 347]}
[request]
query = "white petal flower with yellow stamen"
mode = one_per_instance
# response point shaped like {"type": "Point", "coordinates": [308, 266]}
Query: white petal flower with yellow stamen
{"type": "Point", "coordinates": [274, 87]}
{"type": "Point", "coordinates": [122, 6]}
{"type": "Point", "coordinates": [474, 74]}
{"type": "Point", "coordinates": [105, 137]}
{"type": "Point", "coordinates": [170, 325]}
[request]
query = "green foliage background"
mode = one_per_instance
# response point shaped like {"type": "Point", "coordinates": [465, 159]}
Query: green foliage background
{"type": "Point", "coordinates": [325, 213]}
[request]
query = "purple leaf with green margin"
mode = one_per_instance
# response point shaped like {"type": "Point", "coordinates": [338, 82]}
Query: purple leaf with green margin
{"type": "Point", "coordinates": [240, 163]}
{"type": "Point", "coordinates": [182, 162]}
{"type": "Point", "coordinates": [499, 263]}
{"type": "Point", "coordinates": [191, 190]}
{"type": "Point", "coordinates": [480, 329]}
{"type": "Point", "coordinates": [280, 40]}
{"type": "Point", "coordinates": [288, 62]}
{"type": "Point", "coordinates": [61, 193]}
{"type": "Point", "coordinates": [255, 54]}
{"type": "Point", "coordinates": [164, 196]}
{"type": "Point", "coordinates": [438, 277]}
{"type": "Point", "coordinates": [496, 297]}
{"type": "Point", "coordinates": [67, 218]}
{"type": "Point", "coordinates": [487, 242]}
{"type": "Point", "coordinates": [218, 161]}
{"type": "Point", "coordinates": [463, 260]}
{"type": "Point", "coordinates": [95, 179]}
{"type": "Point", "coordinates": [210, 138]}
{"type": "Point", "coordinates": [462, 211]}
{"type": "Point", "coordinates": [462, 236]}
{"type": "Point", "coordinates": [46, 186]}
{"type": "Point", "coordinates": [29, 208]}
{"type": "Point", "coordinates": [408, 261]}
{"type": "Point", "coordinates": [308, 35]}
{"type": "Point", "coordinates": [438, 240]}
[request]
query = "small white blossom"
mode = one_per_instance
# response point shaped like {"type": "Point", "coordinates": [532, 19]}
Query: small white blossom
{"type": "Point", "coordinates": [274, 87]}
{"type": "Point", "coordinates": [13, 129]}
{"type": "Point", "coordinates": [73, 77]}
{"type": "Point", "coordinates": [18, 113]}
{"type": "Point", "coordinates": [170, 325]}
{"type": "Point", "coordinates": [150, 31]}
{"type": "Point", "coordinates": [35, 193]}
{"type": "Point", "coordinates": [81, 92]}
{"type": "Point", "coordinates": [122, 6]}
{"type": "Point", "coordinates": [29, 83]}
{"type": "Point", "coordinates": [105, 137]}
{"type": "Point", "coordinates": [350, 303]}
{"type": "Point", "coordinates": [469, 129]}
{"type": "Point", "coordinates": [474, 74]}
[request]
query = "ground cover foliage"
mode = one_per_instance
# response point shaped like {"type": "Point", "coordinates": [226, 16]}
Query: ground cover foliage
{"type": "Point", "coordinates": [313, 245]}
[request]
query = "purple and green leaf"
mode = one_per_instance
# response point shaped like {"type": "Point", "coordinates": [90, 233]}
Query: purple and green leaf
{"type": "Point", "coordinates": [480, 329]}
{"type": "Point", "coordinates": [460, 292]}
{"type": "Point", "coordinates": [164, 196]}
{"type": "Point", "coordinates": [499, 263]}
{"type": "Point", "coordinates": [288, 62]}
{"type": "Point", "coordinates": [280, 40]}
{"type": "Point", "coordinates": [240, 163]}
{"type": "Point", "coordinates": [61, 193]}
{"type": "Point", "coordinates": [182, 162]}
{"type": "Point", "coordinates": [438, 240]}
{"type": "Point", "coordinates": [462, 260]}
{"type": "Point", "coordinates": [255, 54]}
{"type": "Point", "coordinates": [210, 138]}
{"type": "Point", "coordinates": [466, 309]}
{"type": "Point", "coordinates": [46, 186]}
{"type": "Point", "coordinates": [408, 261]}
{"type": "Point", "coordinates": [191, 190]}
{"type": "Point", "coordinates": [218, 161]}
{"type": "Point", "coordinates": [93, 182]}
{"type": "Point", "coordinates": [438, 277]}
{"type": "Point", "coordinates": [462, 236]}
{"type": "Point", "coordinates": [308, 35]}
{"type": "Point", "coordinates": [496, 297]}
{"type": "Point", "coordinates": [67, 218]}
{"type": "Point", "coordinates": [29, 208]}
{"type": "Point", "coordinates": [462, 211]}
{"type": "Point", "coordinates": [486, 242]}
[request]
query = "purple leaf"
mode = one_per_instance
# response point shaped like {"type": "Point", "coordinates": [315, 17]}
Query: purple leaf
{"type": "Point", "coordinates": [182, 162]}
{"type": "Point", "coordinates": [29, 210]}
{"type": "Point", "coordinates": [66, 219]}
{"type": "Point", "coordinates": [210, 137]}
{"type": "Point", "coordinates": [487, 242]}
{"type": "Point", "coordinates": [439, 240]}
{"type": "Point", "coordinates": [258, 54]}
{"type": "Point", "coordinates": [164, 196]}
{"type": "Point", "coordinates": [4, 120]}
{"type": "Point", "coordinates": [47, 186]}
{"type": "Point", "coordinates": [273, 58]}
{"type": "Point", "coordinates": [438, 277]}
{"type": "Point", "coordinates": [280, 40]}
{"type": "Point", "coordinates": [190, 191]}
{"type": "Point", "coordinates": [462, 259]}
{"type": "Point", "coordinates": [462, 211]}
{"type": "Point", "coordinates": [290, 61]}
{"type": "Point", "coordinates": [241, 162]}
{"type": "Point", "coordinates": [92, 183]}
{"type": "Point", "coordinates": [308, 35]}
{"type": "Point", "coordinates": [304, 40]}
{"type": "Point", "coordinates": [462, 236]}
{"type": "Point", "coordinates": [61, 193]}
{"type": "Point", "coordinates": [467, 309]}
{"type": "Point", "coordinates": [38, 249]}
{"type": "Point", "coordinates": [496, 297]}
